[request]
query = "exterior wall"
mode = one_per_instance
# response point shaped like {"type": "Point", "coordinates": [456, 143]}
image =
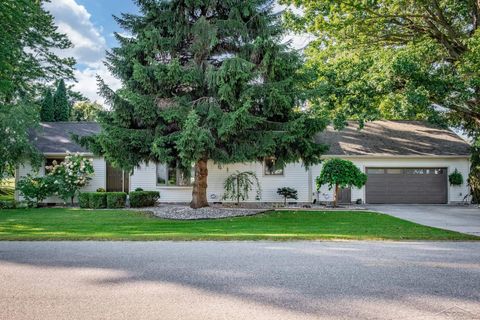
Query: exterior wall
{"type": "Point", "coordinates": [98, 178]}
{"type": "Point", "coordinates": [295, 176]}
{"type": "Point", "coordinates": [455, 193]}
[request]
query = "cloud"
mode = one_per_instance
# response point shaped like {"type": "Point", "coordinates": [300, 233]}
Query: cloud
{"type": "Point", "coordinates": [89, 45]}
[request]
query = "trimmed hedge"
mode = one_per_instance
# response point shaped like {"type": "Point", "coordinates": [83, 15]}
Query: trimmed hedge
{"type": "Point", "coordinates": [8, 204]}
{"type": "Point", "coordinates": [116, 199]}
{"type": "Point", "coordinates": [143, 198]}
{"type": "Point", "coordinates": [84, 199]}
{"type": "Point", "coordinates": [98, 200]}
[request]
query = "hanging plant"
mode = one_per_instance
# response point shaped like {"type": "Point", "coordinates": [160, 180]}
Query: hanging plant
{"type": "Point", "coordinates": [455, 178]}
{"type": "Point", "coordinates": [238, 185]}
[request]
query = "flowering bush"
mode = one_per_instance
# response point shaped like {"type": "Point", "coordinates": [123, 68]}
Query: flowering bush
{"type": "Point", "coordinates": [36, 189]}
{"type": "Point", "coordinates": [70, 175]}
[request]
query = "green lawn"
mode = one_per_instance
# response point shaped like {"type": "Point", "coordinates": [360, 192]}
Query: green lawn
{"type": "Point", "coordinates": [7, 189]}
{"type": "Point", "coordinates": [77, 224]}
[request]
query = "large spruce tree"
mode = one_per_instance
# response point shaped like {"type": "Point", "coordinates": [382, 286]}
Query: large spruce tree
{"type": "Point", "coordinates": [205, 80]}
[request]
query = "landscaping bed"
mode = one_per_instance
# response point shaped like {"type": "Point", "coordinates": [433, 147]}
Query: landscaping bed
{"type": "Point", "coordinates": [91, 224]}
{"type": "Point", "coordinates": [183, 212]}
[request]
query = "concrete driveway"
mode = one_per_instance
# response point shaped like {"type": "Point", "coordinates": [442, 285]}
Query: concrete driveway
{"type": "Point", "coordinates": [464, 219]}
{"type": "Point", "coordinates": [240, 280]}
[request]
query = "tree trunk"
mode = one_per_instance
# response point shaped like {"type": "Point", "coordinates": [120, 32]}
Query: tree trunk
{"type": "Point", "coordinates": [199, 193]}
{"type": "Point", "coordinates": [335, 197]}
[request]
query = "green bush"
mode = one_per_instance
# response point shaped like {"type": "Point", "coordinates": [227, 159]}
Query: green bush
{"type": "Point", "coordinates": [143, 198]}
{"type": "Point", "coordinates": [455, 178]}
{"type": "Point", "coordinates": [138, 189]}
{"type": "Point", "coordinates": [101, 190]}
{"type": "Point", "coordinates": [97, 200]}
{"type": "Point", "coordinates": [84, 200]}
{"type": "Point", "coordinates": [116, 199]}
{"type": "Point", "coordinates": [8, 204]}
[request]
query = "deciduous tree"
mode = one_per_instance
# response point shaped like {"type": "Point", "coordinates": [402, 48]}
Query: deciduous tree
{"type": "Point", "coordinates": [394, 59]}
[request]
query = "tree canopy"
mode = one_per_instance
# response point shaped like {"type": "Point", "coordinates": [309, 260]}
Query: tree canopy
{"type": "Point", "coordinates": [205, 80]}
{"type": "Point", "coordinates": [29, 42]}
{"type": "Point", "coordinates": [400, 59]}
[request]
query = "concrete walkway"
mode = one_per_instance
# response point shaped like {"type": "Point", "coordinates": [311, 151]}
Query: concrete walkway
{"type": "Point", "coordinates": [465, 219]}
{"type": "Point", "coordinates": [240, 280]}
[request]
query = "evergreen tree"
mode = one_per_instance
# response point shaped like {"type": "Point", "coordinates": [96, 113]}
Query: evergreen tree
{"type": "Point", "coordinates": [46, 107]}
{"type": "Point", "coordinates": [61, 108]}
{"type": "Point", "coordinates": [205, 80]}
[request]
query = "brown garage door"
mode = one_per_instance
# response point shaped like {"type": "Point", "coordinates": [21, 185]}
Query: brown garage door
{"type": "Point", "coordinates": [406, 185]}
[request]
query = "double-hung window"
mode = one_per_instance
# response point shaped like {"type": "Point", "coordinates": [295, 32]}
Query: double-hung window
{"type": "Point", "coordinates": [173, 175]}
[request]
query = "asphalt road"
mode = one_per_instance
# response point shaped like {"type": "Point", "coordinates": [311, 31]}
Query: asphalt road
{"type": "Point", "coordinates": [239, 280]}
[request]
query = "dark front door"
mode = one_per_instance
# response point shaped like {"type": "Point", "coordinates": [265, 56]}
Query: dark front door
{"type": "Point", "coordinates": [344, 195]}
{"type": "Point", "coordinates": [117, 179]}
{"type": "Point", "coordinates": [406, 185]}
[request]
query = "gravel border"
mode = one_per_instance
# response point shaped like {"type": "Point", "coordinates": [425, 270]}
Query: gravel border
{"type": "Point", "coordinates": [178, 212]}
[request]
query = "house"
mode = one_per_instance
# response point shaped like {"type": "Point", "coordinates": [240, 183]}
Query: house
{"type": "Point", "coordinates": [406, 162]}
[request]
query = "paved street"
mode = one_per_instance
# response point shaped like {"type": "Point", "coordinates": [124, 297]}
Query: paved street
{"type": "Point", "coordinates": [239, 280]}
{"type": "Point", "coordinates": [465, 219]}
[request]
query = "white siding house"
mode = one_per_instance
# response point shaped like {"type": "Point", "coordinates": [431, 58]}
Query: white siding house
{"type": "Point", "coordinates": [406, 161]}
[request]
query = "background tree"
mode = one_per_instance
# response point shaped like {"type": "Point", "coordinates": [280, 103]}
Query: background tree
{"type": "Point", "coordinates": [85, 111]}
{"type": "Point", "coordinates": [395, 58]}
{"type": "Point", "coordinates": [28, 38]}
{"type": "Point", "coordinates": [61, 107]}
{"type": "Point", "coordinates": [46, 108]}
{"type": "Point", "coordinates": [205, 80]}
{"type": "Point", "coordinates": [340, 173]}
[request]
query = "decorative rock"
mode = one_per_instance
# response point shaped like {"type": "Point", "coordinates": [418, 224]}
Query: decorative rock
{"type": "Point", "coordinates": [182, 212]}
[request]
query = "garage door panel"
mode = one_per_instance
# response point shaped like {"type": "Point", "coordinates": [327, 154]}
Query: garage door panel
{"type": "Point", "coordinates": [412, 185]}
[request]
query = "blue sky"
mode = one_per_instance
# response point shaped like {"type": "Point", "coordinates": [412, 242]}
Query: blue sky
{"type": "Point", "coordinates": [90, 26]}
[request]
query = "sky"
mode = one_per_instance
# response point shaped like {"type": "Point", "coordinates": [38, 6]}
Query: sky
{"type": "Point", "coordinates": [90, 26]}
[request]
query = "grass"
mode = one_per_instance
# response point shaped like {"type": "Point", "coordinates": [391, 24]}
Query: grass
{"type": "Point", "coordinates": [7, 189]}
{"type": "Point", "coordinates": [77, 224]}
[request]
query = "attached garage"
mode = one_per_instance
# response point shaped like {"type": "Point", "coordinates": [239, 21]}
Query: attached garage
{"type": "Point", "coordinates": [407, 185]}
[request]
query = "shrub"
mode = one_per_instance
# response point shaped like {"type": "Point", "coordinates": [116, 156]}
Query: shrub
{"type": "Point", "coordinates": [9, 204]}
{"type": "Point", "coordinates": [287, 193]}
{"type": "Point", "coordinates": [97, 200]}
{"type": "Point", "coordinates": [238, 185]}
{"type": "Point", "coordinates": [101, 190]}
{"type": "Point", "coordinates": [71, 175]}
{"type": "Point", "coordinates": [138, 189]}
{"type": "Point", "coordinates": [36, 189]}
{"type": "Point", "coordinates": [116, 199]}
{"type": "Point", "coordinates": [143, 198]}
{"type": "Point", "coordinates": [455, 178]}
{"type": "Point", "coordinates": [84, 200]}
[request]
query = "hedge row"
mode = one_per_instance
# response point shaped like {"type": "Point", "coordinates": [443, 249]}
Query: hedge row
{"type": "Point", "coordinates": [100, 200]}
{"type": "Point", "coordinates": [143, 198]}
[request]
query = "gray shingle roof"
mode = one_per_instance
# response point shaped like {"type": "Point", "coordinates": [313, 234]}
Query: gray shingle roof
{"type": "Point", "coordinates": [377, 138]}
{"type": "Point", "coordinates": [56, 137]}
{"type": "Point", "coordinates": [394, 138]}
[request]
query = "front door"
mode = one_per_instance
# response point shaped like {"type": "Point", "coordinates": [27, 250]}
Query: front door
{"type": "Point", "coordinates": [344, 195]}
{"type": "Point", "coordinates": [117, 179]}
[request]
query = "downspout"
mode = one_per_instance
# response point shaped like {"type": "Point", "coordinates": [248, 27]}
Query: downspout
{"type": "Point", "coordinates": [310, 186]}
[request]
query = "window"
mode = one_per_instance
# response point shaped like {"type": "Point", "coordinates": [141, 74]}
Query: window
{"type": "Point", "coordinates": [270, 168]}
{"type": "Point", "coordinates": [49, 162]}
{"type": "Point", "coordinates": [419, 171]}
{"type": "Point", "coordinates": [375, 171]}
{"type": "Point", "coordinates": [172, 175]}
{"type": "Point", "coordinates": [394, 171]}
